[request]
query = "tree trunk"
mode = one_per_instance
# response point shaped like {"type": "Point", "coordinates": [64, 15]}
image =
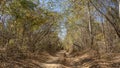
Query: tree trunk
{"type": "Point", "coordinates": [90, 26]}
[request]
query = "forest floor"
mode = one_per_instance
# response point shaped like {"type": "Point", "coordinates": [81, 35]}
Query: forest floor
{"type": "Point", "coordinates": [85, 59]}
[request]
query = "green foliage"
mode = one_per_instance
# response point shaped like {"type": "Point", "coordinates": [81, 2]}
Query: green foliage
{"type": "Point", "coordinates": [29, 24]}
{"type": "Point", "coordinates": [35, 29]}
{"type": "Point", "coordinates": [27, 4]}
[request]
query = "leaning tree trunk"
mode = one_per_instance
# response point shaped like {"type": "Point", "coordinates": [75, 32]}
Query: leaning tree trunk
{"type": "Point", "coordinates": [115, 21]}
